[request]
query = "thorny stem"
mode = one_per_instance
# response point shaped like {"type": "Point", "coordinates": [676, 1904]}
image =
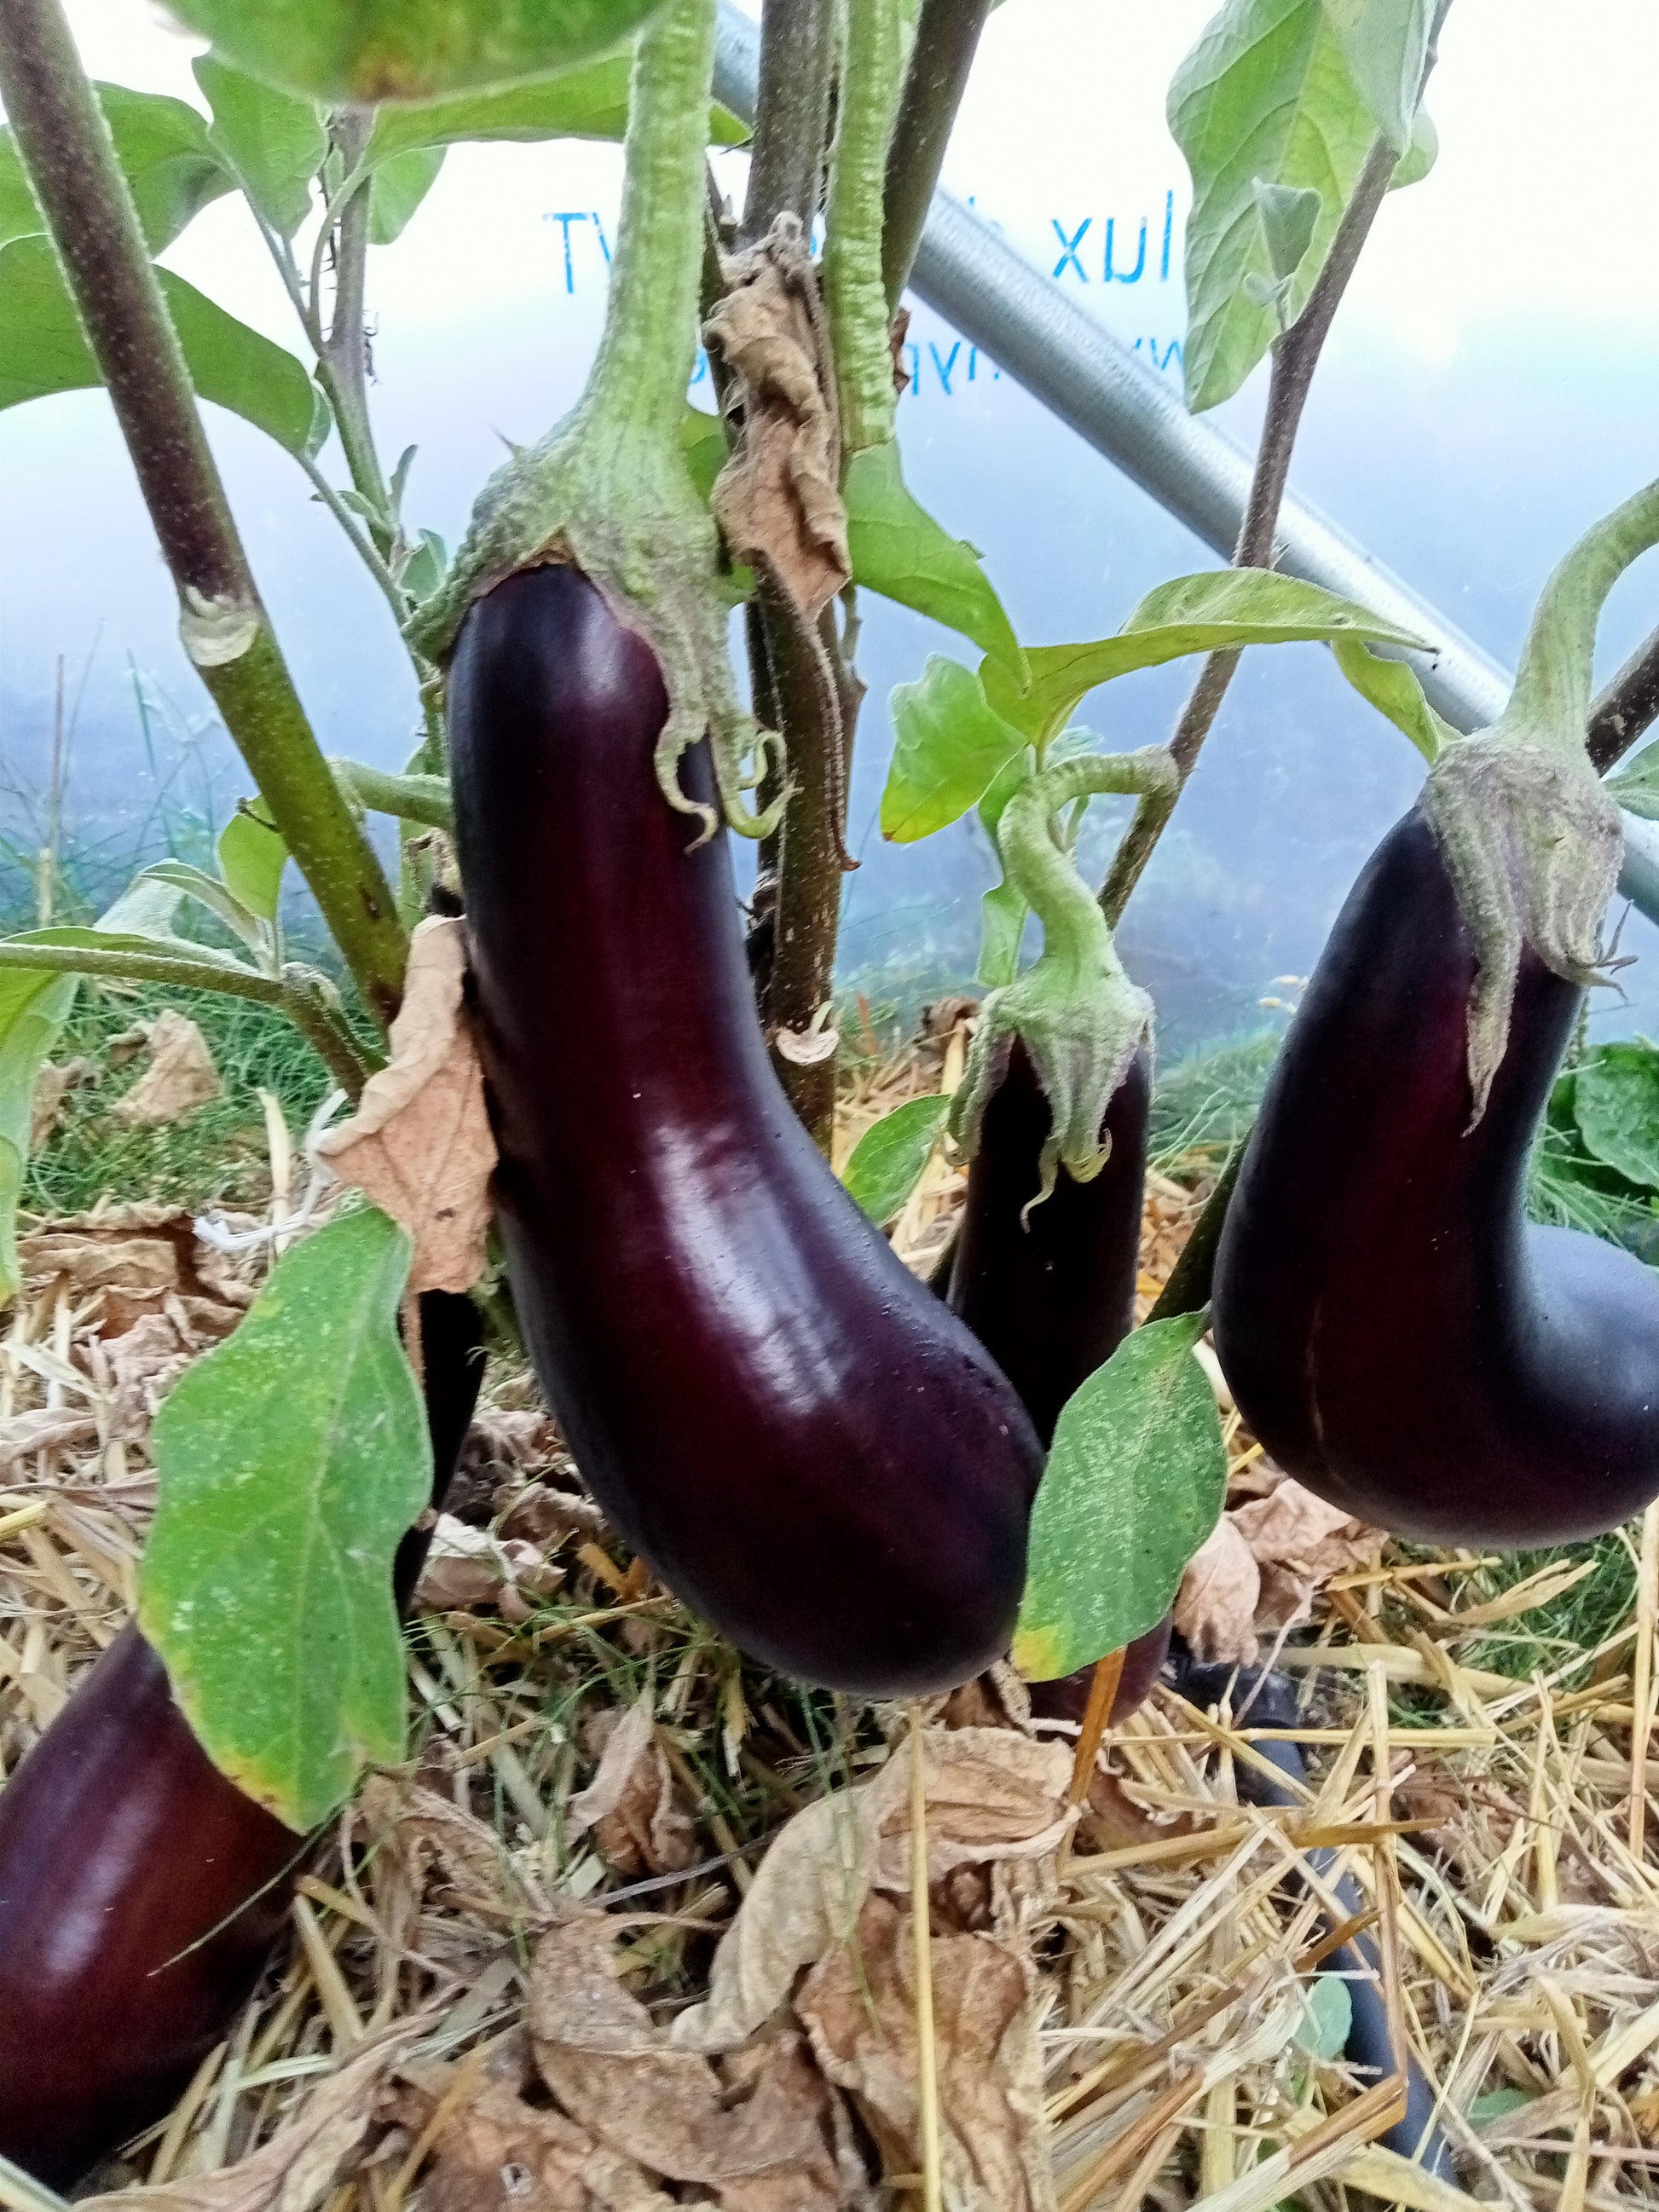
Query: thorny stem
{"type": "Point", "coordinates": [786, 170]}
{"type": "Point", "coordinates": [67, 151]}
{"type": "Point", "coordinates": [1626, 707]}
{"type": "Point", "coordinates": [300, 993]}
{"type": "Point", "coordinates": [1295, 358]}
{"type": "Point", "coordinates": [941, 57]}
{"type": "Point", "coordinates": [855, 296]}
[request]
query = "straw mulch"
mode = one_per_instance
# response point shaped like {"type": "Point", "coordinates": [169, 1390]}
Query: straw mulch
{"type": "Point", "coordinates": [507, 1985]}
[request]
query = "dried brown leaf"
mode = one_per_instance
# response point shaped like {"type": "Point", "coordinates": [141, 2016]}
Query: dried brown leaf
{"type": "Point", "coordinates": [494, 2152]}
{"type": "Point", "coordinates": [777, 499]}
{"type": "Point", "coordinates": [146, 1361]}
{"type": "Point", "coordinates": [180, 1077]}
{"type": "Point", "coordinates": [1215, 1607]}
{"type": "Point", "coordinates": [995, 1798]}
{"type": "Point", "coordinates": [45, 1428]}
{"type": "Point", "coordinates": [544, 1515]}
{"type": "Point", "coordinates": [668, 2110]}
{"type": "Point", "coordinates": [53, 1085]}
{"type": "Point", "coordinates": [419, 1144]}
{"type": "Point", "coordinates": [430, 1833]}
{"type": "Point", "coordinates": [629, 1804]}
{"type": "Point", "coordinates": [466, 1566]}
{"type": "Point", "coordinates": [859, 2010]}
{"type": "Point", "coordinates": [1293, 1528]}
{"type": "Point", "coordinates": [299, 2165]}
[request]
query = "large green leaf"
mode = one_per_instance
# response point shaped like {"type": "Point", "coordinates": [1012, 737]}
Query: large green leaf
{"type": "Point", "coordinates": [34, 1009]}
{"type": "Point", "coordinates": [1265, 95]}
{"type": "Point", "coordinates": [43, 351]}
{"type": "Point", "coordinates": [360, 52]}
{"type": "Point", "coordinates": [163, 145]}
{"type": "Point", "coordinates": [1616, 1102]}
{"type": "Point", "coordinates": [275, 143]}
{"type": "Point", "coordinates": [948, 747]}
{"type": "Point", "coordinates": [1134, 1484]}
{"type": "Point", "coordinates": [1385, 44]}
{"type": "Point", "coordinates": [898, 550]}
{"type": "Point", "coordinates": [888, 1159]}
{"type": "Point", "coordinates": [1191, 614]}
{"type": "Point", "coordinates": [397, 189]}
{"type": "Point", "coordinates": [579, 103]}
{"type": "Point", "coordinates": [290, 1462]}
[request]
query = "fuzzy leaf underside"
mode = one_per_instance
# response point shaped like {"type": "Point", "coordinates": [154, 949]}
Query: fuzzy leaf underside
{"type": "Point", "coordinates": [290, 1462]}
{"type": "Point", "coordinates": [1134, 1484]}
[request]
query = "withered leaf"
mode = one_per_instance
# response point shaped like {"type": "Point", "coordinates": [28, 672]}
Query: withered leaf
{"type": "Point", "coordinates": [467, 1566]}
{"type": "Point", "coordinates": [629, 1804]}
{"type": "Point", "coordinates": [180, 1076]}
{"type": "Point", "coordinates": [1215, 1607]}
{"type": "Point", "coordinates": [419, 1144]}
{"type": "Point", "coordinates": [1293, 1528]}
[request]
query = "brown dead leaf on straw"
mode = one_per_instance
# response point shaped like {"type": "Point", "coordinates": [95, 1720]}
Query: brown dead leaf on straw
{"type": "Point", "coordinates": [1215, 1607]}
{"type": "Point", "coordinates": [297, 2166]}
{"type": "Point", "coordinates": [180, 1077]}
{"type": "Point", "coordinates": [419, 1144]}
{"type": "Point", "coordinates": [777, 499]}
{"type": "Point", "coordinates": [629, 1804]}
{"type": "Point", "coordinates": [467, 1566]}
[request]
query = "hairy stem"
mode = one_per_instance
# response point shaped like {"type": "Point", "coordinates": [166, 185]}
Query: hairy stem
{"type": "Point", "coordinates": [1626, 707]}
{"type": "Point", "coordinates": [301, 994]}
{"type": "Point", "coordinates": [1295, 358]}
{"type": "Point", "coordinates": [1075, 931]}
{"type": "Point", "coordinates": [364, 543]}
{"type": "Point", "coordinates": [343, 370]}
{"type": "Point", "coordinates": [411, 798]}
{"type": "Point", "coordinates": [60, 132]}
{"type": "Point", "coordinates": [854, 295]}
{"type": "Point", "coordinates": [786, 170]}
{"type": "Point", "coordinates": [941, 57]}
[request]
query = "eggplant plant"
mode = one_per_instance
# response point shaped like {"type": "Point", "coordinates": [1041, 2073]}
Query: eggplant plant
{"type": "Point", "coordinates": [855, 1480]}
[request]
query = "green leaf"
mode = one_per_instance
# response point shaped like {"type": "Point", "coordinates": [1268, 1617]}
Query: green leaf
{"type": "Point", "coordinates": [34, 1008]}
{"type": "Point", "coordinates": [1327, 2018]}
{"type": "Point", "coordinates": [423, 571]}
{"type": "Point", "coordinates": [702, 442]}
{"type": "Point", "coordinates": [252, 858]}
{"type": "Point", "coordinates": [948, 745]}
{"type": "Point", "coordinates": [290, 1462]}
{"type": "Point", "coordinates": [397, 189]}
{"type": "Point", "coordinates": [1636, 784]}
{"type": "Point", "coordinates": [1266, 94]}
{"type": "Point", "coordinates": [360, 52]}
{"type": "Point", "coordinates": [275, 144]}
{"type": "Point", "coordinates": [888, 1159]}
{"type": "Point", "coordinates": [1394, 689]}
{"type": "Point", "coordinates": [1616, 1100]}
{"type": "Point", "coordinates": [1287, 214]}
{"type": "Point", "coordinates": [42, 350]}
{"type": "Point", "coordinates": [1134, 1484]}
{"type": "Point", "coordinates": [1499, 2104]}
{"type": "Point", "coordinates": [1420, 155]}
{"type": "Point", "coordinates": [170, 162]}
{"type": "Point", "coordinates": [1385, 44]}
{"type": "Point", "coordinates": [209, 892]}
{"type": "Point", "coordinates": [1190, 614]}
{"type": "Point", "coordinates": [579, 103]}
{"type": "Point", "coordinates": [899, 551]}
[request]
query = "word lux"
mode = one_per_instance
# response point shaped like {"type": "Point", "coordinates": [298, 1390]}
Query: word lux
{"type": "Point", "coordinates": [1087, 249]}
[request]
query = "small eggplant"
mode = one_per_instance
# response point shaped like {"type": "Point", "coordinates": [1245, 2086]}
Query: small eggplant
{"type": "Point", "coordinates": [1391, 1327]}
{"type": "Point", "coordinates": [809, 1450]}
{"type": "Point", "coordinates": [141, 1892]}
{"type": "Point", "coordinates": [1051, 1293]}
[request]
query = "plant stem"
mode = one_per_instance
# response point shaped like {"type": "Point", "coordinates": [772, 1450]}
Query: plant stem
{"type": "Point", "coordinates": [411, 798]}
{"type": "Point", "coordinates": [343, 370]}
{"type": "Point", "coordinates": [298, 993]}
{"type": "Point", "coordinates": [941, 57]}
{"type": "Point", "coordinates": [792, 117]}
{"type": "Point", "coordinates": [1626, 707]}
{"type": "Point", "coordinates": [1188, 1286]}
{"type": "Point", "coordinates": [1294, 359]}
{"type": "Point", "coordinates": [363, 543]}
{"type": "Point", "coordinates": [69, 158]}
{"type": "Point", "coordinates": [855, 296]}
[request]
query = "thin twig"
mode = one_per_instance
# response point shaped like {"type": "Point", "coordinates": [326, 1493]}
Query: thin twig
{"type": "Point", "coordinates": [932, 2184]}
{"type": "Point", "coordinates": [363, 545]}
{"type": "Point", "coordinates": [1626, 707]}
{"type": "Point", "coordinates": [941, 57]}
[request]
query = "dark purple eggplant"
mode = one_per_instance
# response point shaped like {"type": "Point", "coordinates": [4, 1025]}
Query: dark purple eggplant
{"type": "Point", "coordinates": [141, 1892]}
{"type": "Point", "coordinates": [1393, 1331]}
{"type": "Point", "coordinates": [1051, 1293]}
{"type": "Point", "coordinates": [809, 1450]}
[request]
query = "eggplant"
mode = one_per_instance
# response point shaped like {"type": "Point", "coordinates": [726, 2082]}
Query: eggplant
{"type": "Point", "coordinates": [809, 1448]}
{"type": "Point", "coordinates": [1051, 1293]}
{"type": "Point", "coordinates": [1391, 1327]}
{"type": "Point", "coordinates": [141, 1891]}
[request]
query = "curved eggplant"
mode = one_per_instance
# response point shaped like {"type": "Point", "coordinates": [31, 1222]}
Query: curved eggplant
{"type": "Point", "coordinates": [807, 1447]}
{"type": "Point", "coordinates": [141, 1892]}
{"type": "Point", "coordinates": [1391, 1327]}
{"type": "Point", "coordinates": [1051, 1293]}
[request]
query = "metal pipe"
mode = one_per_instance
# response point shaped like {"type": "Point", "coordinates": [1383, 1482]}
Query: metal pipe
{"type": "Point", "coordinates": [1036, 333]}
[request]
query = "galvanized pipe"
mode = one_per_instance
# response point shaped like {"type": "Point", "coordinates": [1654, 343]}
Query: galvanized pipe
{"type": "Point", "coordinates": [1036, 333]}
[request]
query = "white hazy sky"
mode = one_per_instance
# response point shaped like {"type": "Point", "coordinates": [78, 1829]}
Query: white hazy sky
{"type": "Point", "coordinates": [1542, 208]}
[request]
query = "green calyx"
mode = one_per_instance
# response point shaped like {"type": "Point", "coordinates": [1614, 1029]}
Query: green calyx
{"type": "Point", "coordinates": [1078, 1014]}
{"type": "Point", "coordinates": [608, 490]}
{"type": "Point", "coordinates": [855, 292]}
{"type": "Point", "coordinates": [1532, 841]}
